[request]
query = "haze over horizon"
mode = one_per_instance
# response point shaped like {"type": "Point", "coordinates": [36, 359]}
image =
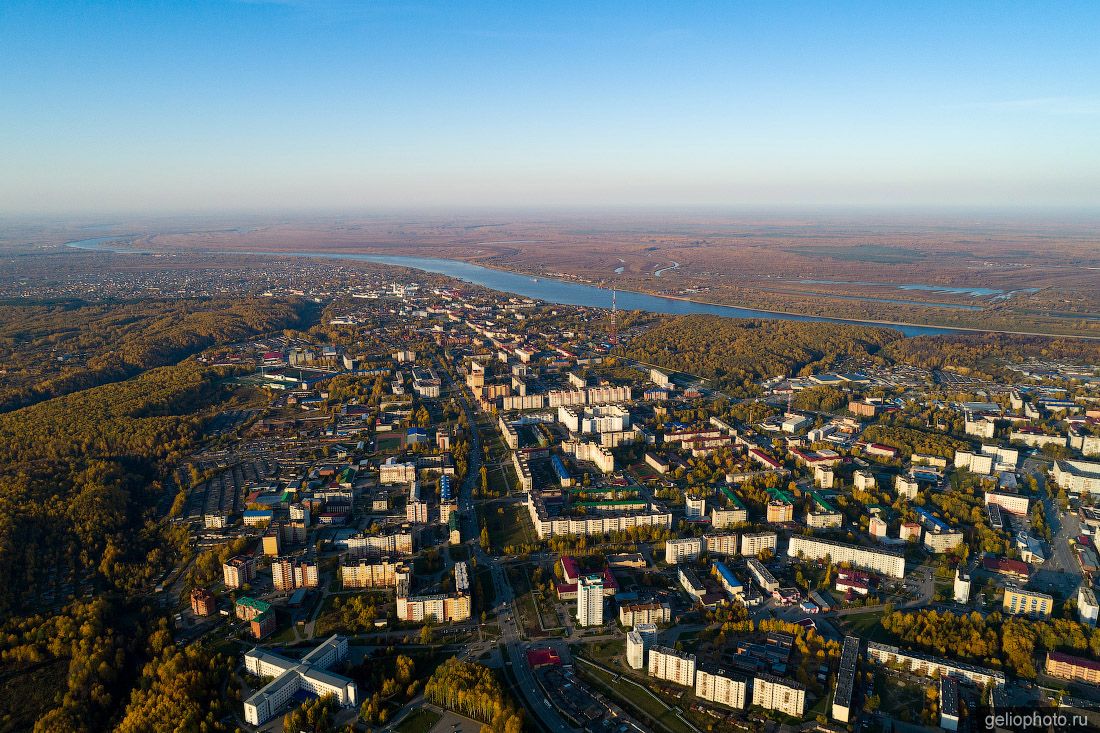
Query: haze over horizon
{"type": "Point", "coordinates": [325, 104]}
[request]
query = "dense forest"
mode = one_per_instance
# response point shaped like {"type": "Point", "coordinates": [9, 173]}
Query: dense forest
{"type": "Point", "coordinates": [734, 353]}
{"type": "Point", "coordinates": [1000, 642]}
{"type": "Point", "coordinates": [984, 354]}
{"type": "Point", "coordinates": [474, 690]}
{"type": "Point", "coordinates": [79, 479]}
{"type": "Point", "coordinates": [79, 496]}
{"type": "Point", "coordinates": [49, 350]}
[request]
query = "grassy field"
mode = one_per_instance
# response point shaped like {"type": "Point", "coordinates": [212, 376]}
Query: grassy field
{"type": "Point", "coordinates": [22, 702]}
{"type": "Point", "coordinates": [508, 526]}
{"type": "Point", "coordinates": [525, 603]}
{"type": "Point", "coordinates": [419, 722]}
{"type": "Point", "coordinates": [634, 698]}
{"type": "Point", "coordinates": [866, 625]}
{"type": "Point", "coordinates": [898, 699]}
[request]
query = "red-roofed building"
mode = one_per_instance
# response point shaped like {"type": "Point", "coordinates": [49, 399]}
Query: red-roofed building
{"type": "Point", "coordinates": [1066, 667]}
{"type": "Point", "coordinates": [542, 658]}
{"type": "Point", "coordinates": [764, 459]}
{"type": "Point", "coordinates": [610, 585]}
{"type": "Point", "coordinates": [878, 449]}
{"type": "Point", "coordinates": [566, 591]}
{"type": "Point", "coordinates": [1014, 569]}
{"type": "Point", "coordinates": [853, 586]}
{"type": "Point", "coordinates": [850, 574]}
{"type": "Point", "coordinates": [569, 568]}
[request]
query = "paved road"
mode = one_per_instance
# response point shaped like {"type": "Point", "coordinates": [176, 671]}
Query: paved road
{"type": "Point", "coordinates": [511, 639]}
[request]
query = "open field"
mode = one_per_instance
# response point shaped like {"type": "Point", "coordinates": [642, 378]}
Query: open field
{"type": "Point", "coordinates": [422, 721]}
{"type": "Point", "coordinates": [982, 271]}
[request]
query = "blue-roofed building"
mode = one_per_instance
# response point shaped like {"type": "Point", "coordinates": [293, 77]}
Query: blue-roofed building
{"type": "Point", "coordinates": [930, 521]}
{"type": "Point", "coordinates": [416, 435]}
{"type": "Point", "coordinates": [446, 490]}
{"type": "Point", "coordinates": [561, 471]}
{"type": "Point", "coordinates": [253, 517]}
{"type": "Point", "coordinates": [729, 581]}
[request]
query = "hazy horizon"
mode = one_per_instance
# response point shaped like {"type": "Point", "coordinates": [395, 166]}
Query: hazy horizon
{"type": "Point", "coordinates": [258, 106]}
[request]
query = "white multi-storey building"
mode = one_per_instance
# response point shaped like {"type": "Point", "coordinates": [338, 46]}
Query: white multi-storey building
{"type": "Point", "coordinates": [635, 650]}
{"type": "Point", "coordinates": [1078, 476]}
{"type": "Point", "coordinates": [881, 561]}
{"type": "Point", "coordinates": [779, 693]}
{"type": "Point", "coordinates": [753, 543]}
{"type": "Point", "coordinates": [672, 666]}
{"type": "Point", "coordinates": [695, 507]}
{"type": "Point", "coordinates": [1087, 609]}
{"type": "Point", "coordinates": [683, 550]}
{"type": "Point", "coordinates": [590, 601]}
{"type": "Point", "coordinates": [291, 675]}
{"type": "Point", "coordinates": [718, 685]}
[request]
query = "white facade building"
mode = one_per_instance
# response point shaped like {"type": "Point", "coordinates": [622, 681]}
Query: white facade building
{"type": "Point", "coordinates": [685, 550]}
{"type": "Point", "coordinates": [881, 561]}
{"type": "Point", "coordinates": [718, 685]}
{"type": "Point", "coordinates": [672, 666]}
{"type": "Point", "coordinates": [291, 675]}
{"type": "Point", "coordinates": [590, 601]}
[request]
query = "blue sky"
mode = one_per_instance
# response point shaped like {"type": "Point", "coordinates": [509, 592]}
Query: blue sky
{"type": "Point", "coordinates": [326, 104]}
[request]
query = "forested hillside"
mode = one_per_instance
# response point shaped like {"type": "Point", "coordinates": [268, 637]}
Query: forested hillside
{"type": "Point", "coordinates": [984, 354]}
{"type": "Point", "coordinates": [736, 352]}
{"type": "Point", "coordinates": [78, 475]}
{"type": "Point", "coordinates": [79, 483]}
{"type": "Point", "coordinates": [49, 350]}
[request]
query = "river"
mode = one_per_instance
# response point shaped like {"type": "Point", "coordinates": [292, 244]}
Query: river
{"type": "Point", "coordinates": [546, 289]}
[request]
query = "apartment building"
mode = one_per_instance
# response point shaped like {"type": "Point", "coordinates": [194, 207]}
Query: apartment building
{"type": "Point", "coordinates": [695, 507]}
{"type": "Point", "coordinates": [846, 679]}
{"type": "Point", "coordinates": [929, 666]}
{"type": "Point", "coordinates": [721, 544]}
{"type": "Point", "coordinates": [590, 601]}
{"type": "Point", "coordinates": [753, 543]}
{"type": "Point", "coordinates": [1078, 476]}
{"type": "Point", "coordinates": [684, 550]}
{"type": "Point", "coordinates": [438, 608]}
{"type": "Point", "coordinates": [202, 602]}
{"type": "Point", "coordinates": [729, 517]}
{"type": "Point", "coordinates": [1011, 503]}
{"type": "Point", "coordinates": [287, 574]}
{"type": "Point", "coordinates": [638, 643]}
{"type": "Point", "coordinates": [779, 693]}
{"type": "Point", "coordinates": [1076, 669]}
{"type": "Point", "coordinates": [715, 684]}
{"type": "Point", "coordinates": [672, 666]}
{"type": "Point", "coordinates": [1019, 602]}
{"type": "Point", "coordinates": [238, 571]}
{"type": "Point", "coordinates": [366, 574]}
{"type": "Point", "coordinates": [882, 561]}
{"type": "Point", "coordinates": [655, 612]}
{"type": "Point", "coordinates": [762, 575]}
